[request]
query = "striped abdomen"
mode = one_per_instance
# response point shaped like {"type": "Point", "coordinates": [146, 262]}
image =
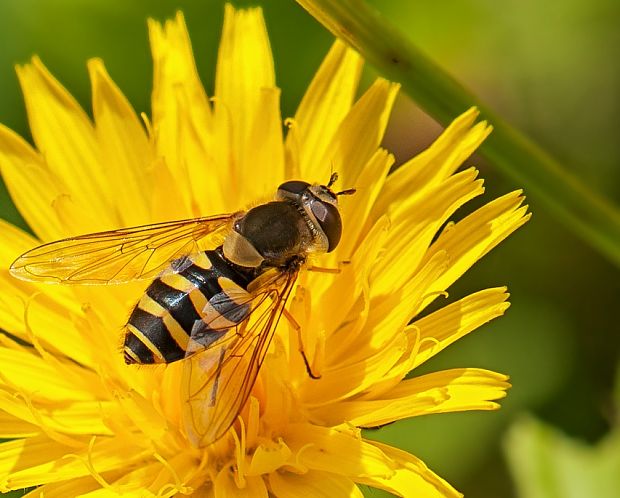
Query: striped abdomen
{"type": "Point", "coordinates": [202, 301]}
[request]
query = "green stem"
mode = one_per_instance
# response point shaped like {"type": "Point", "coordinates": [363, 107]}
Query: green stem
{"type": "Point", "coordinates": [582, 210]}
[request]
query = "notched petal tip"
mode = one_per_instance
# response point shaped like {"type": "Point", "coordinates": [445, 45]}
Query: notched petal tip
{"type": "Point", "coordinates": [96, 67]}
{"type": "Point", "coordinates": [464, 121]}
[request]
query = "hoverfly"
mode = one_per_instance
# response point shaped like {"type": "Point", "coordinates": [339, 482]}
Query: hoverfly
{"type": "Point", "coordinates": [200, 301]}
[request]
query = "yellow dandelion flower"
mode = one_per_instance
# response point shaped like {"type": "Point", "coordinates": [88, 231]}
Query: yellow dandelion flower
{"type": "Point", "coordinates": [83, 423]}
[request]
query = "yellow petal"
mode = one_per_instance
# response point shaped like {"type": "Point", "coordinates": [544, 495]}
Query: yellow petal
{"type": "Point", "coordinates": [446, 391]}
{"type": "Point", "coordinates": [389, 313]}
{"type": "Point", "coordinates": [244, 68]}
{"type": "Point", "coordinates": [347, 296]}
{"type": "Point", "coordinates": [465, 389]}
{"type": "Point", "coordinates": [340, 451]}
{"type": "Point", "coordinates": [356, 237]}
{"type": "Point", "coordinates": [55, 314]}
{"type": "Point", "coordinates": [443, 327]}
{"type": "Point", "coordinates": [322, 109]}
{"type": "Point", "coordinates": [131, 491]}
{"type": "Point", "coordinates": [415, 224]}
{"type": "Point", "coordinates": [37, 461]}
{"type": "Point", "coordinates": [313, 484]}
{"type": "Point", "coordinates": [357, 137]}
{"type": "Point", "coordinates": [475, 235]}
{"type": "Point", "coordinates": [33, 188]}
{"type": "Point", "coordinates": [245, 63]}
{"type": "Point", "coordinates": [25, 453]}
{"type": "Point", "coordinates": [75, 487]}
{"type": "Point", "coordinates": [376, 350]}
{"type": "Point", "coordinates": [125, 148]}
{"type": "Point", "coordinates": [336, 295]}
{"type": "Point", "coordinates": [268, 457]}
{"type": "Point", "coordinates": [267, 151]}
{"type": "Point", "coordinates": [27, 373]}
{"type": "Point", "coordinates": [49, 318]}
{"type": "Point", "coordinates": [12, 428]}
{"type": "Point", "coordinates": [168, 201]}
{"type": "Point", "coordinates": [411, 477]}
{"type": "Point", "coordinates": [14, 243]}
{"type": "Point", "coordinates": [150, 479]}
{"type": "Point", "coordinates": [182, 120]}
{"type": "Point", "coordinates": [204, 492]}
{"type": "Point", "coordinates": [344, 379]}
{"type": "Point", "coordinates": [50, 314]}
{"type": "Point", "coordinates": [163, 478]}
{"type": "Point", "coordinates": [65, 417]}
{"type": "Point", "coordinates": [141, 414]}
{"type": "Point", "coordinates": [355, 210]}
{"type": "Point", "coordinates": [225, 486]}
{"type": "Point", "coordinates": [436, 331]}
{"type": "Point", "coordinates": [435, 164]}
{"type": "Point", "coordinates": [66, 138]}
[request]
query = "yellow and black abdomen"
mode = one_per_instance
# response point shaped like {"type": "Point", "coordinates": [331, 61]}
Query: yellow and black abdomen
{"type": "Point", "coordinates": [199, 302]}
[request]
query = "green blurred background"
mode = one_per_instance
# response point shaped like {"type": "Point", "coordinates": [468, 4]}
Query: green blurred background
{"type": "Point", "coordinates": [550, 68]}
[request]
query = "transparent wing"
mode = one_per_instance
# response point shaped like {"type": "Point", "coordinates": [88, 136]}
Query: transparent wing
{"type": "Point", "coordinates": [117, 256]}
{"type": "Point", "coordinates": [218, 380]}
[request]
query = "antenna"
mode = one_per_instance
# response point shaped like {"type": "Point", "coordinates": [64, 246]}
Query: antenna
{"type": "Point", "coordinates": [332, 179]}
{"type": "Point", "coordinates": [349, 191]}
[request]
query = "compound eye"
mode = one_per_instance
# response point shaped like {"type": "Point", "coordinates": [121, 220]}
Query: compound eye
{"type": "Point", "coordinates": [295, 187]}
{"type": "Point", "coordinates": [329, 219]}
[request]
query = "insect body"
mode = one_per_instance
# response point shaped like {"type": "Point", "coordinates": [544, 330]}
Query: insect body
{"type": "Point", "coordinates": [189, 305]}
{"type": "Point", "coordinates": [218, 305]}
